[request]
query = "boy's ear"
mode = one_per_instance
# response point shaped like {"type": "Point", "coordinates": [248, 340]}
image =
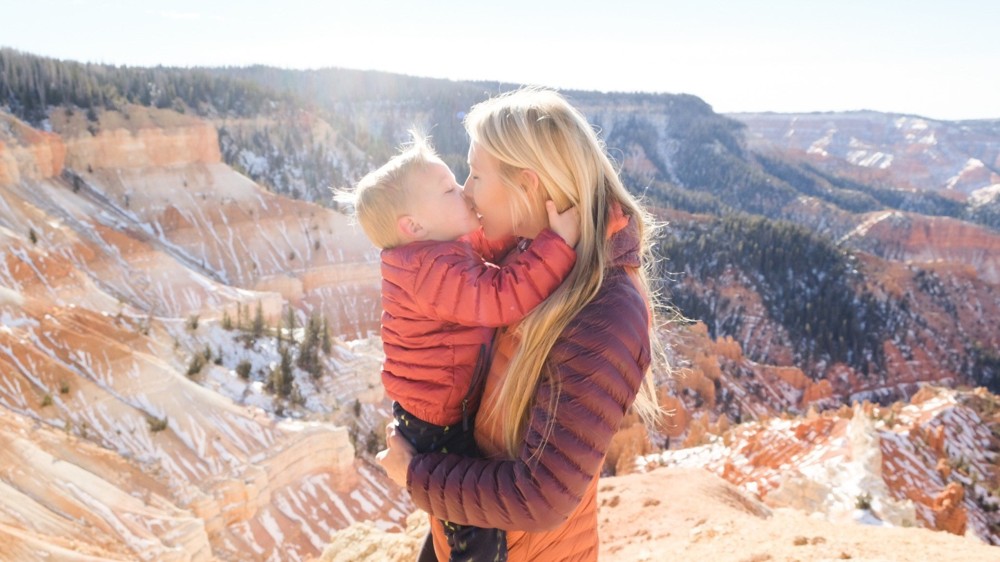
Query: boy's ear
{"type": "Point", "coordinates": [410, 228]}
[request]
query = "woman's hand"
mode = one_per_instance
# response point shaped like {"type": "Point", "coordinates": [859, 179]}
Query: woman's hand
{"type": "Point", "coordinates": [565, 224]}
{"type": "Point", "coordinates": [396, 457]}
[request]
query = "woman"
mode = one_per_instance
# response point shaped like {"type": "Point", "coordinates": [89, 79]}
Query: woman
{"type": "Point", "coordinates": [561, 380]}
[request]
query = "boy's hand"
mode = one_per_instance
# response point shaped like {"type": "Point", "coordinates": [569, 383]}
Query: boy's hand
{"type": "Point", "coordinates": [565, 224]}
{"type": "Point", "coordinates": [395, 458]}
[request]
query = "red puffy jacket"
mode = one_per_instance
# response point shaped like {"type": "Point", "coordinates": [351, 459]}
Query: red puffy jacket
{"type": "Point", "coordinates": [546, 498]}
{"type": "Point", "coordinates": [441, 302]}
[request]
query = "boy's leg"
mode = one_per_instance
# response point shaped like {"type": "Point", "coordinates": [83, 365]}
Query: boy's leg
{"type": "Point", "coordinates": [467, 543]}
{"type": "Point", "coordinates": [475, 544]}
{"type": "Point", "coordinates": [424, 436]}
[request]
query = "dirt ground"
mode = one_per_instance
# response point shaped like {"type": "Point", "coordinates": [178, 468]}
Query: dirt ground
{"type": "Point", "coordinates": [691, 515]}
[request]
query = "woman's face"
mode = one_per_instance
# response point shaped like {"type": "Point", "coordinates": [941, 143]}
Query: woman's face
{"type": "Point", "coordinates": [492, 199]}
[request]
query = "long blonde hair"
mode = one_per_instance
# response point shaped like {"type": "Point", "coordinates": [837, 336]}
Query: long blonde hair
{"type": "Point", "coordinates": [538, 130]}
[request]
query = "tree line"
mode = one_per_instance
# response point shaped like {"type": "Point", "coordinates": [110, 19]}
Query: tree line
{"type": "Point", "coordinates": [808, 286]}
{"type": "Point", "coordinates": [30, 84]}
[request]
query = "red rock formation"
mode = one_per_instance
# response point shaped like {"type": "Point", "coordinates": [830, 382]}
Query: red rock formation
{"type": "Point", "coordinates": [107, 447]}
{"type": "Point", "coordinates": [145, 148]}
{"type": "Point", "coordinates": [885, 149]}
{"type": "Point", "coordinates": [676, 417]}
{"type": "Point", "coordinates": [912, 462]}
{"type": "Point", "coordinates": [943, 468]}
{"type": "Point", "coordinates": [817, 391]}
{"type": "Point", "coordinates": [917, 238]}
{"type": "Point", "coordinates": [949, 512]}
{"type": "Point", "coordinates": [27, 154]}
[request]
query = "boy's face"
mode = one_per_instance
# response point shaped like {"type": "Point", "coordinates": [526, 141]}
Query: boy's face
{"type": "Point", "coordinates": [438, 206]}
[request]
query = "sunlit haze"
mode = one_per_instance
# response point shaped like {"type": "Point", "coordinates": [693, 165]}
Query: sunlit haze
{"type": "Point", "coordinates": [930, 58]}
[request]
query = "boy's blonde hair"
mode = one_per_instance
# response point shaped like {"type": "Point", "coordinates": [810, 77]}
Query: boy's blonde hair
{"type": "Point", "coordinates": [539, 130]}
{"type": "Point", "coordinates": [382, 196]}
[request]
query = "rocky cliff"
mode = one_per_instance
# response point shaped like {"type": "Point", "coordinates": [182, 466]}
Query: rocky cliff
{"type": "Point", "coordinates": [912, 301]}
{"type": "Point", "coordinates": [127, 245]}
{"type": "Point", "coordinates": [157, 196]}
{"type": "Point", "coordinates": [918, 239]}
{"type": "Point", "coordinates": [930, 463]}
{"type": "Point", "coordinates": [901, 150]}
{"type": "Point", "coordinates": [28, 154]}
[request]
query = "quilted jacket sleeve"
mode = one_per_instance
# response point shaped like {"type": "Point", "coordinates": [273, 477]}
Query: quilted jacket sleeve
{"type": "Point", "coordinates": [598, 365]}
{"type": "Point", "coordinates": [456, 289]}
{"type": "Point", "coordinates": [491, 250]}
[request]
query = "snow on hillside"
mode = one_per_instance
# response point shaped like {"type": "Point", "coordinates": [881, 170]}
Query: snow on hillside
{"type": "Point", "coordinates": [887, 466]}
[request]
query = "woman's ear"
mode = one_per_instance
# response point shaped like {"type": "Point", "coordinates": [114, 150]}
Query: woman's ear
{"type": "Point", "coordinates": [528, 180]}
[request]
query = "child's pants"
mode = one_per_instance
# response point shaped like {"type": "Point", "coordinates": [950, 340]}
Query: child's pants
{"type": "Point", "coordinates": [467, 543]}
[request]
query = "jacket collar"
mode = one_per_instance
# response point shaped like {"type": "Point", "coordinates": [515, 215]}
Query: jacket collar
{"type": "Point", "coordinates": [623, 238]}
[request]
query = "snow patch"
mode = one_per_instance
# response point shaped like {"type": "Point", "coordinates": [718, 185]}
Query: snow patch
{"type": "Point", "coordinates": [971, 165]}
{"type": "Point", "coordinates": [819, 146]}
{"type": "Point", "coordinates": [867, 159]}
{"type": "Point", "coordinates": [10, 296]}
{"type": "Point", "coordinates": [984, 195]}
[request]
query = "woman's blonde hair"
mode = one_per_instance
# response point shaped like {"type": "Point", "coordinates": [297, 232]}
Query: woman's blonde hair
{"type": "Point", "coordinates": [538, 130]}
{"type": "Point", "coordinates": [381, 197]}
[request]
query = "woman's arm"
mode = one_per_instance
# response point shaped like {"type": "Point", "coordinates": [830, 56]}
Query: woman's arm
{"type": "Point", "coordinates": [597, 366]}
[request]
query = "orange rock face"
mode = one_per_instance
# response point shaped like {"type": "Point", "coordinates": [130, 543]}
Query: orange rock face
{"type": "Point", "coordinates": [909, 464]}
{"type": "Point", "coordinates": [27, 154]}
{"type": "Point", "coordinates": [145, 148]}
{"type": "Point", "coordinates": [949, 512]}
{"type": "Point", "coordinates": [916, 238]}
{"type": "Point", "coordinates": [110, 445]}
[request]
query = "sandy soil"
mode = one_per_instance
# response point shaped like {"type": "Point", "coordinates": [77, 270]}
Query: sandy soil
{"type": "Point", "coordinates": [691, 515]}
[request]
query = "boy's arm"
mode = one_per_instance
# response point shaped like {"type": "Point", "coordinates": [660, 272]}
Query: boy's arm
{"type": "Point", "coordinates": [566, 224]}
{"type": "Point", "coordinates": [462, 288]}
{"type": "Point", "coordinates": [492, 250]}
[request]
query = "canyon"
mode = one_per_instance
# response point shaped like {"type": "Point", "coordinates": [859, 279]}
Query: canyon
{"type": "Point", "coordinates": [113, 243]}
{"type": "Point", "coordinates": [902, 150]}
{"type": "Point", "coordinates": [161, 268]}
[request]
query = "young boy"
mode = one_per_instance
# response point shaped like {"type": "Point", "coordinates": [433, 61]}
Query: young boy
{"type": "Point", "coordinates": [442, 299]}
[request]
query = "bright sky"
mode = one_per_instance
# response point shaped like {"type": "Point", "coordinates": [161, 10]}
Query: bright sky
{"type": "Point", "coordinates": [935, 58]}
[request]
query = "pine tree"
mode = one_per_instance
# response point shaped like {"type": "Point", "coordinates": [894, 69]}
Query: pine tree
{"type": "Point", "coordinates": [326, 336]}
{"type": "Point", "coordinates": [290, 322]}
{"type": "Point", "coordinates": [309, 350]}
{"type": "Point", "coordinates": [281, 378]}
{"type": "Point", "coordinates": [257, 329]}
{"type": "Point", "coordinates": [240, 317]}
